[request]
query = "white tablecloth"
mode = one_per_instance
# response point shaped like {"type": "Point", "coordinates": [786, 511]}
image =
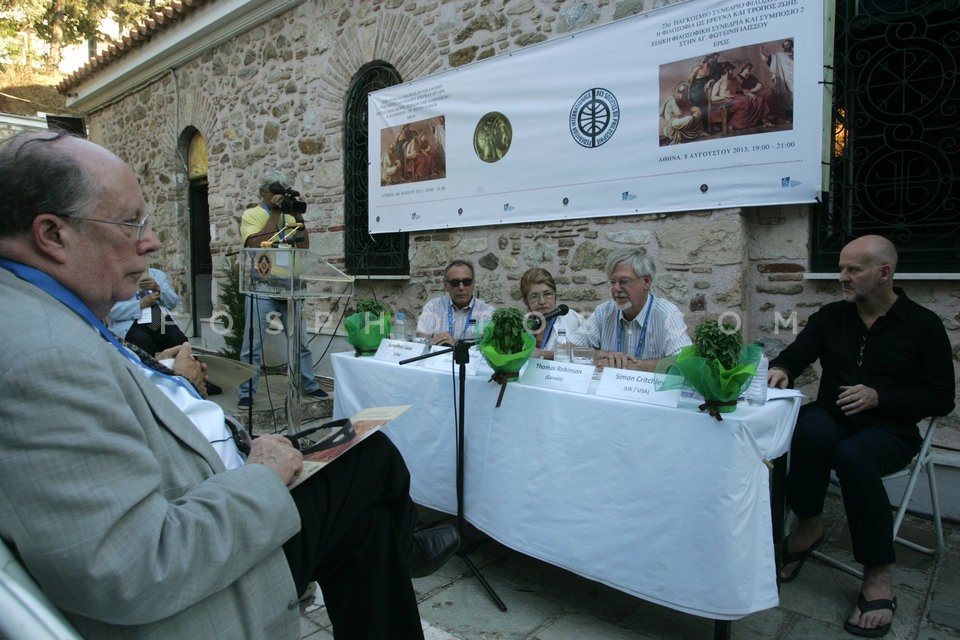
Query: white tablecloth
{"type": "Point", "coordinates": [666, 504]}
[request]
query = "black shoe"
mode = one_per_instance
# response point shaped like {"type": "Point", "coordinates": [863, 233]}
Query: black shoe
{"type": "Point", "coordinates": [432, 548]}
{"type": "Point", "coordinates": [317, 393]}
{"type": "Point", "coordinates": [244, 402]}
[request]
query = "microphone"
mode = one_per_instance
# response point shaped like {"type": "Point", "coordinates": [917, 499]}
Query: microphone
{"type": "Point", "coordinates": [537, 321]}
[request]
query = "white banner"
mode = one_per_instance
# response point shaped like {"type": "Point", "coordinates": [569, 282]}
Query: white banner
{"type": "Point", "coordinates": [699, 105]}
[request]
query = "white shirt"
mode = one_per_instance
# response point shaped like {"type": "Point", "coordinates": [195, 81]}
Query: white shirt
{"type": "Point", "coordinates": [206, 415]}
{"type": "Point", "coordinates": [666, 331]}
{"type": "Point", "coordinates": [437, 313]}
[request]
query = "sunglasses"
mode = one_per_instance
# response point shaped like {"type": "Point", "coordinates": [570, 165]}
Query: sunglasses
{"type": "Point", "coordinates": [456, 283]}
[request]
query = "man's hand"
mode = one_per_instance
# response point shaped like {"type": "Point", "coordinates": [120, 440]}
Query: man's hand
{"type": "Point", "coordinates": [150, 299]}
{"type": "Point", "coordinates": [443, 338]}
{"type": "Point", "coordinates": [276, 452]}
{"type": "Point", "coordinates": [184, 364]}
{"type": "Point", "coordinates": [777, 378]}
{"type": "Point", "coordinates": [149, 284]}
{"type": "Point", "coordinates": [853, 400]}
{"type": "Point", "coordinates": [616, 360]}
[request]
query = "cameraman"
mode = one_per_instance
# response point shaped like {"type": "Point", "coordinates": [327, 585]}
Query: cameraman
{"type": "Point", "coordinates": [267, 222]}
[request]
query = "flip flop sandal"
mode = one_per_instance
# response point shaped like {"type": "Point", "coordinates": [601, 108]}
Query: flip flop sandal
{"type": "Point", "coordinates": [342, 432]}
{"type": "Point", "coordinates": [788, 557]}
{"type": "Point", "coordinates": [871, 605]}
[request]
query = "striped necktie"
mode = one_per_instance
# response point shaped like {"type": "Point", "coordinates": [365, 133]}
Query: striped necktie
{"type": "Point", "coordinates": [155, 364]}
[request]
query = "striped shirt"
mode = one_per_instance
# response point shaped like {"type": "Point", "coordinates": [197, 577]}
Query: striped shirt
{"type": "Point", "coordinates": [666, 331]}
{"type": "Point", "coordinates": [438, 312]}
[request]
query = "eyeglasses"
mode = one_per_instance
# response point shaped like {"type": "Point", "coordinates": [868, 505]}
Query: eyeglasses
{"type": "Point", "coordinates": [456, 283]}
{"type": "Point", "coordinates": [622, 282]}
{"type": "Point", "coordinates": [538, 297]}
{"type": "Point", "coordinates": [139, 226]}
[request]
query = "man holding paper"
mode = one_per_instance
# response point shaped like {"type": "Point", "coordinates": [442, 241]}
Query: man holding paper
{"type": "Point", "coordinates": [116, 500]}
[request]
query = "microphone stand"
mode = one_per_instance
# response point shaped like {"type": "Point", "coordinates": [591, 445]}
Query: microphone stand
{"type": "Point", "coordinates": [461, 356]}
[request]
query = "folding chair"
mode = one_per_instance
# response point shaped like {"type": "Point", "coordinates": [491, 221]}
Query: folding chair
{"type": "Point", "coordinates": [923, 460]}
{"type": "Point", "coordinates": [25, 613]}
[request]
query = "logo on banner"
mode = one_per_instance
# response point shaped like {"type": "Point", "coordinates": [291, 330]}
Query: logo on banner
{"type": "Point", "coordinates": [492, 137]}
{"type": "Point", "coordinates": [594, 117]}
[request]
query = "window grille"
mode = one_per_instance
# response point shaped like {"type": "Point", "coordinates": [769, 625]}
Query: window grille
{"type": "Point", "coordinates": [366, 254]}
{"type": "Point", "coordinates": [896, 148]}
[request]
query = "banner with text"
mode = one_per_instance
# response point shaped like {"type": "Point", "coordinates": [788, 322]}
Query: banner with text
{"type": "Point", "coordinates": [699, 105]}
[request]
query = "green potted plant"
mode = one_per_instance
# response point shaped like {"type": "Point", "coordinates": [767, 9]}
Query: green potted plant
{"type": "Point", "coordinates": [367, 327]}
{"type": "Point", "coordinates": [717, 365]}
{"type": "Point", "coordinates": [506, 346]}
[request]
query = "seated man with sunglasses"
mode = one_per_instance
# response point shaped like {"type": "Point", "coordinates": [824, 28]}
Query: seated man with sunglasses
{"type": "Point", "coordinates": [634, 329]}
{"type": "Point", "coordinates": [449, 318]}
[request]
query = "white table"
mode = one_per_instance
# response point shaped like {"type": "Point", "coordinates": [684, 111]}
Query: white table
{"type": "Point", "coordinates": [666, 504]}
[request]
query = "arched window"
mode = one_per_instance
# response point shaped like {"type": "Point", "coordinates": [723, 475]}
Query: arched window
{"type": "Point", "coordinates": [366, 254]}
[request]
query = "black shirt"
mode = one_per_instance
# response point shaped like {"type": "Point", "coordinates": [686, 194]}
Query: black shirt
{"type": "Point", "coordinates": [906, 356]}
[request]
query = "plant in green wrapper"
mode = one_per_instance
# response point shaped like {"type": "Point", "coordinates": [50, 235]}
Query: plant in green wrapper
{"type": "Point", "coordinates": [717, 365]}
{"type": "Point", "coordinates": [506, 346]}
{"type": "Point", "coordinates": [367, 327]}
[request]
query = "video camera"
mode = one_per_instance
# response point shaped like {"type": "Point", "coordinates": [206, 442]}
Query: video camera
{"type": "Point", "coordinates": [290, 202]}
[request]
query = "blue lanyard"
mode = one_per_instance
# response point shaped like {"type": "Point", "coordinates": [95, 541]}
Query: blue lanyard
{"type": "Point", "coordinates": [643, 331]}
{"type": "Point", "coordinates": [450, 321]}
{"type": "Point", "coordinates": [546, 333]}
{"type": "Point", "coordinates": [45, 283]}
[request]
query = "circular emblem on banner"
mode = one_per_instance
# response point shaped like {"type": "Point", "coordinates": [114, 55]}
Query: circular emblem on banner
{"type": "Point", "coordinates": [594, 117]}
{"type": "Point", "coordinates": [492, 137]}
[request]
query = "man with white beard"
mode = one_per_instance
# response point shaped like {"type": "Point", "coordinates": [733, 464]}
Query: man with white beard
{"type": "Point", "coordinates": [635, 328]}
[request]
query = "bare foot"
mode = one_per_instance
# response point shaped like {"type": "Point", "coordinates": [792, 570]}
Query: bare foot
{"type": "Point", "coordinates": [807, 532]}
{"type": "Point", "coordinates": [877, 585]}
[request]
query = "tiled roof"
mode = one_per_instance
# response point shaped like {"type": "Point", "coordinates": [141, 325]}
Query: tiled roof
{"type": "Point", "coordinates": [163, 18]}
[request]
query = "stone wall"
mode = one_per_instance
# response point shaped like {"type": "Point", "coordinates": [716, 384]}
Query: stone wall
{"type": "Point", "coordinates": [273, 98]}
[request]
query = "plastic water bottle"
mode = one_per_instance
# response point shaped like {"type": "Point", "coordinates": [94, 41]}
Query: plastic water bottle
{"type": "Point", "coordinates": [562, 347]}
{"type": "Point", "coordinates": [756, 393]}
{"type": "Point", "coordinates": [400, 327]}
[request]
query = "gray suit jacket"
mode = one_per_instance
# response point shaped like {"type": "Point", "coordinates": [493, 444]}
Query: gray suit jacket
{"type": "Point", "coordinates": [115, 503]}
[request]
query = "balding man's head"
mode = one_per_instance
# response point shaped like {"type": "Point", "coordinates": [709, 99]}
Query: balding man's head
{"type": "Point", "coordinates": [876, 249]}
{"type": "Point", "coordinates": [43, 172]}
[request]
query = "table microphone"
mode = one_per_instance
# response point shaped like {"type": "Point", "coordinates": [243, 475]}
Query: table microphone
{"type": "Point", "coordinates": [537, 321]}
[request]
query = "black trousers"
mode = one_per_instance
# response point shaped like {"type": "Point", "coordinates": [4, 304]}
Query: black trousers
{"type": "Point", "coordinates": [357, 523]}
{"type": "Point", "coordinates": [861, 456]}
{"type": "Point", "coordinates": [154, 341]}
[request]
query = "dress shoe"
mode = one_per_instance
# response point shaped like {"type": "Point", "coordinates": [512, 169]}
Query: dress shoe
{"type": "Point", "coordinates": [432, 548]}
{"type": "Point", "coordinates": [244, 402]}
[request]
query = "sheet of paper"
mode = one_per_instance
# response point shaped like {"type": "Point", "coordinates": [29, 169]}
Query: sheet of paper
{"type": "Point", "coordinates": [225, 372]}
{"type": "Point", "coordinates": [365, 422]}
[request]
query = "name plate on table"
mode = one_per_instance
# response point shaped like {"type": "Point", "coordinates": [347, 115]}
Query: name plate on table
{"type": "Point", "coordinates": [557, 375]}
{"type": "Point", "coordinates": [637, 386]}
{"type": "Point", "coordinates": [397, 350]}
{"type": "Point", "coordinates": [445, 362]}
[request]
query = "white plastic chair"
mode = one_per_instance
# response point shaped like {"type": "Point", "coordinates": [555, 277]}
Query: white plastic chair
{"type": "Point", "coordinates": [923, 460]}
{"type": "Point", "coordinates": [25, 613]}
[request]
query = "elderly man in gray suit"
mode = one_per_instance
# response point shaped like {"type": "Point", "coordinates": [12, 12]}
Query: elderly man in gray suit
{"type": "Point", "coordinates": [117, 495]}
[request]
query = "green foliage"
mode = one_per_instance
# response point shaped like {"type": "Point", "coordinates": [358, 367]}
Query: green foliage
{"type": "Point", "coordinates": [77, 20]}
{"type": "Point", "coordinates": [722, 342]}
{"type": "Point", "coordinates": [232, 302]}
{"type": "Point", "coordinates": [370, 306]}
{"type": "Point", "coordinates": [507, 330]}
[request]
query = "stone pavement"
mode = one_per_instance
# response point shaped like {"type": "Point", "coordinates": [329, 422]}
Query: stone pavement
{"type": "Point", "coordinates": [548, 603]}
